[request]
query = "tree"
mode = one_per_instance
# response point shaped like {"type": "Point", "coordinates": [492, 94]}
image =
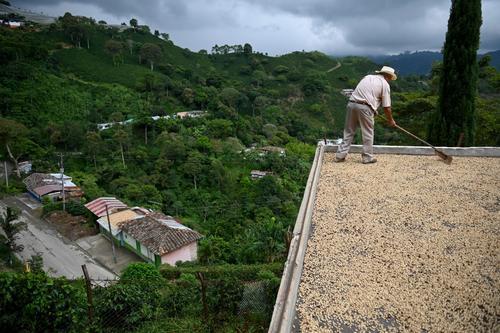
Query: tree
{"type": "Point", "coordinates": [11, 231]}
{"type": "Point", "coordinates": [36, 263]}
{"type": "Point", "coordinates": [145, 120]}
{"type": "Point", "coordinates": [115, 49]}
{"type": "Point", "coordinates": [220, 128]}
{"type": "Point", "coordinates": [152, 53]}
{"type": "Point", "coordinates": [247, 49]}
{"type": "Point", "coordinates": [121, 137]}
{"type": "Point", "coordinates": [94, 143]}
{"type": "Point", "coordinates": [86, 31]}
{"type": "Point", "coordinates": [157, 33]}
{"type": "Point", "coordinates": [456, 110]}
{"type": "Point", "coordinates": [194, 166]}
{"type": "Point", "coordinates": [72, 27]}
{"type": "Point", "coordinates": [171, 146]}
{"type": "Point", "coordinates": [13, 138]}
{"type": "Point", "coordinates": [213, 250]}
{"type": "Point", "coordinates": [259, 103]}
{"type": "Point", "coordinates": [133, 23]}
{"type": "Point", "coordinates": [229, 96]}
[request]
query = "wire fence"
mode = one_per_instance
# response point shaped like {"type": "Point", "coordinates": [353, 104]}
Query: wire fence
{"type": "Point", "coordinates": [129, 305]}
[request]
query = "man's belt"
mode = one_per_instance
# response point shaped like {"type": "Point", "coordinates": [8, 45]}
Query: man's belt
{"type": "Point", "coordinates": [364, 103]}
{"type": "Point", "coordinates": [360, 102]}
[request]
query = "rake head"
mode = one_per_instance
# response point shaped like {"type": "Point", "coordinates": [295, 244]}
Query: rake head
{"type": "Point", "coordinates": [446, 158]}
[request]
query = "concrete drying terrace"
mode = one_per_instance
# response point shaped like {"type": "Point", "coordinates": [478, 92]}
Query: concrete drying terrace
{"type": "Point", "coordinates": [406, 244]}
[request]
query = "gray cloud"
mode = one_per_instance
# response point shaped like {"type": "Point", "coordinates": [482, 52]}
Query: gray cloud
{"type": "Point", "coordinates": [280, 26]}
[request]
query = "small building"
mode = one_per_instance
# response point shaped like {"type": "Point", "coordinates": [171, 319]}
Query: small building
{"type": "Point", "coordinates": [160, 239]}
{"type": "Point", "coordinates": [25, 167]}
{"type": "Point", "coordinates": [156, 118]}
{"type": "Point", "coordinates": [104, 126]}
{"type": "Point", "coordinates": [11, 24]}
{"type": "Point", "coordinates": [41, 185]}
{"type": "Point", "coordinates": [191, 114]}
{"type": "Point", "coordinates": [257, 174]}
{"type": "Point", "coordinates": [272, 149]}
{"type": "Point", "coordinates": [153, 236]}
{"type": "Point", "coordinates": [98, 206]}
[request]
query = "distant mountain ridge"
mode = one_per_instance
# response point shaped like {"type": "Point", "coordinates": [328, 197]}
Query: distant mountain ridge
{"type": "Point", "coordinates": [420, 62]}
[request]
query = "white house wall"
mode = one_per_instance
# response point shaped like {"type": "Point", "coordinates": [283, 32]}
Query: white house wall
{"type": "Point", "coordinates": [129, 239]}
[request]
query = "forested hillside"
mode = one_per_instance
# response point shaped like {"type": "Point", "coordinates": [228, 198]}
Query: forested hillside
{"type": "Point", "coordinates": [420, 62]}
{"type": "Point", "coordinates": [60, 81]}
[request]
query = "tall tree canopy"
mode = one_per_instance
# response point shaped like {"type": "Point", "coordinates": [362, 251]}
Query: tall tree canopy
{"type": "Point", "coordinates": [151, 53]}
{"type": "Point", "coordinates": [457, 88]}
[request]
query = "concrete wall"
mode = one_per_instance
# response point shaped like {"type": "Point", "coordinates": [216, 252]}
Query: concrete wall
{"type": "Point", "coordinates": [185, 253]}
{"type": "Point", "coordinates": [129, 240]}
{"type": "Point", "coordinates": [145, 252]}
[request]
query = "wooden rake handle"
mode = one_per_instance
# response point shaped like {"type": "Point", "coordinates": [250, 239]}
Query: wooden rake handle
{"type": "Point", "coordinates": [414, 136]}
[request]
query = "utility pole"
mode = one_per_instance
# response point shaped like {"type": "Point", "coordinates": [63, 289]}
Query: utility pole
{"type": "Point", "coordinates": [62, 184]}
{"type": "Point", "coordinates": [111, 235]}
{"type": "Point", "coordinates": [6, 173]}
{"type": "Point", "coordinates": [88, 287]}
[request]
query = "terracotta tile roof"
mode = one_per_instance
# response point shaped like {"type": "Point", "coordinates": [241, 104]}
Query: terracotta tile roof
{"type": "Point", "coordinates": [160, 233]}
{"type": "Point", "coordinates": [98, 206]}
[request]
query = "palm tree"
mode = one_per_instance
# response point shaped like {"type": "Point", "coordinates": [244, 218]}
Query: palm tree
{"type": "Point", "coordinates": [11, 230]}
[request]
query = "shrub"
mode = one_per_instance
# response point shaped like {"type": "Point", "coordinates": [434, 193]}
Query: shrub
{"type": "Point", "coordinates": [141, 272]}
{"type": "Point", "coordinates": [129, 304]}
{"type": "Point", "coordinates": [216, 272]}
{"type": "Point", "coordinates": [51, 206]}
{"type": "Point", "coordinates": [183, 297]}
{"type": "Point", "coordinates": [76, 208]}
{"type": "Point", "coordinates": [224, 297]}
{"type": "Point", "coordinates": [36, 303]}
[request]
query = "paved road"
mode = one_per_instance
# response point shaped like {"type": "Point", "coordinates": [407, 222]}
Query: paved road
{"type": "Point", "coordinates": [60, 256]}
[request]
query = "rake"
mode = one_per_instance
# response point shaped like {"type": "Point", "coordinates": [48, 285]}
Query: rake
{"type": "Point", "coordinates": [446, 158]}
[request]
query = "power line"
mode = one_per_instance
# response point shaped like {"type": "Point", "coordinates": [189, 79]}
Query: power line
{"type": "Point", "coordinates": [62, 183]}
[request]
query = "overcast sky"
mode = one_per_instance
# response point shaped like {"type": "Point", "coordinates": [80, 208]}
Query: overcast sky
{"type": "Point", "coordinates": [338, 27]}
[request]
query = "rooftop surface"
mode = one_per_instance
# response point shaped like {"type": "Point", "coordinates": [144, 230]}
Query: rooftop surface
{"type": "Point", "coordinates": [406, 244]}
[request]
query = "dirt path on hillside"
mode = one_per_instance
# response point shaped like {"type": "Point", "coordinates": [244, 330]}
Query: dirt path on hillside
{"type": "Point", "coordinates": [334, 68]}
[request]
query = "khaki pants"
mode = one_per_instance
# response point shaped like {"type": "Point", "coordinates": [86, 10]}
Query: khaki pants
{"type": "Point", "coordinates": [358, 115]}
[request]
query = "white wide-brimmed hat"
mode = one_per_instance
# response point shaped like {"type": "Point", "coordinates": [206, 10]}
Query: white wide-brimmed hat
{"type": "Point", "coordinates": [388, 70]}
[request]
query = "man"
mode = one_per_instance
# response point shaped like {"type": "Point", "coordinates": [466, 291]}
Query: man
{"type": "Point", "coordinates": [370, 93]}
